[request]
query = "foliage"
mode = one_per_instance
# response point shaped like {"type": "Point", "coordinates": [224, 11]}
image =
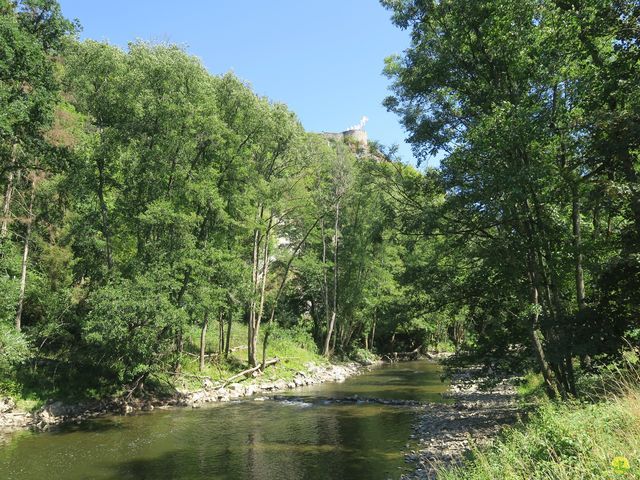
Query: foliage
{"type": "Point", "coordinates": [563, 441]}
{"type": "Point", "coordinates": [534, 209]}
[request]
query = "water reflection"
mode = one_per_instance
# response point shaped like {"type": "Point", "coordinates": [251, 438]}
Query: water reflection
{"type": "Point", "coordinates": [265, 440]}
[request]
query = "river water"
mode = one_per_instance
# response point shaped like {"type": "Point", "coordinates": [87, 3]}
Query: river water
{"type": "Point", "coordinates": [305, 436]}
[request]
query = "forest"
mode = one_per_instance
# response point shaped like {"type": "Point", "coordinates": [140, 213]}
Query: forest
{"type": "Point", "coordinates": [145, 200]}
{"type": "Point", "coordinates": [161, 222]}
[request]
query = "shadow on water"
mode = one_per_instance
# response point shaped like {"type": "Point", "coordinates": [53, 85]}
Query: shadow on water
{"type": "Point", "coordinates": [290, 439]}
{"type": "Point", "coordinates": [96, 425]}
{"type": "Point", "coordinates": [340, 443]}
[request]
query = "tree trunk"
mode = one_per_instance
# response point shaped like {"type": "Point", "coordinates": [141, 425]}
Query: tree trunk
{"type": "Point", "coordinates": [228, 339]}
{"type": "Point", "coordinates": [251, 354]}
{"type": "Point", "coordinates": [104, 212]}
{"type": "Point", "coordinates": [221, 333]}
{"type": "Point", "coordinates": [535, 335]}
{"type": "Point", "coordinates": [6, 205]}
{"type": "Point", "coordinates": [265, 272]}
{"type": "Point", "coordinates": [325, 284]}
{"type": "Point", "coordinates": [203, 339]}
{"type": "Point", "coordinates": [373, 332]}
{"type": "Point", "coordinates": [25, 255]}
{"type": "Point", "coordinates": [577, 246]}
{"type": "Point", "coordinates": [332, 322]}
{"type": "Point", "coordinates": [283, 282]}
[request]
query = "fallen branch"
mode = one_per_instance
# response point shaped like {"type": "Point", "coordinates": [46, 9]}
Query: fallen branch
{"type": "Point", "coordinates": [249, 371]}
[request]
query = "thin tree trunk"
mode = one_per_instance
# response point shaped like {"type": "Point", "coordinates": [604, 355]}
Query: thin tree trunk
{"type": "Point", "coordinates": [535, 335]}
{"type": "Point", "coordinates": [254, 282]}
{"type": "Point", "coordinates": [325, 284]}
{"type": "Point", "coordinates": [332, 322]}
{"type": "Point", "coordinates": [577, 245]}
{"type": "Point", "coordinates": [25, 255]}
{"type": "Point", "coordinates": [265, 272]}
{"type": "Point", "coordinates": [585, 361]}
{"type": "Point", "coordinates": [373, 330]}
{"type": "Point", "coordinates": [281, 288]}
{"type": "Point", "coordinates": [6, 205]}
{"type": "Point", "coordinates": [177, 367]}
{"type": "Point", "coordinates": [221, 333]}
{"type": "Point", "coordinates": [228, 339]}
{"type": "Point", "coordinates": [104, 213]}
{"type": "Point", "coordinates": [203, 339]}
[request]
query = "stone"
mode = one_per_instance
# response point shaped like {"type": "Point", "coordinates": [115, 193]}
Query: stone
{"type": "Point", "coordinates": [7, 405]}
{"type": "Point", "coordinates": [236, 388]}
{"type": "Point", "coordinates": [221, 393]}
{"type": "Point", "coordinates": [207, 384]}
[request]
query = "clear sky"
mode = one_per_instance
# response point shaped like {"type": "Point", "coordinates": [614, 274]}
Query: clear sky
{"type": "Point", "coordinates": [323, 58]}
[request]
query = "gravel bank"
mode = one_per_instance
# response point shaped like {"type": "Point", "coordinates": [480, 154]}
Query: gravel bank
{"type": "Point", "coordinates": [444, 432]}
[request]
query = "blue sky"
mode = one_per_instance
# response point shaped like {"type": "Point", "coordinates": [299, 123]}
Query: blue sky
{"type": "Point", "coordinates": [323, 58]}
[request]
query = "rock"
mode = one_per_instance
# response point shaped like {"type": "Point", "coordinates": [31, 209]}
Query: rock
{"type": "Point", "coordinates": [7, 405]}
{"type": "Point", "coordinates": [236, 390]}
{"type": "Point", "coordinates": [57, 409]}
{"type": "Point", "coordinates": [207, 384]}
{"type": "Point", "coordinates": [221, 393]}
{"type": "Point", "coordinates": [197, 397]}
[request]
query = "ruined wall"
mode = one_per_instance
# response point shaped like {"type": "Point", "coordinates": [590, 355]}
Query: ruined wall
{"type": "Point", "coordinates": [360, 136]}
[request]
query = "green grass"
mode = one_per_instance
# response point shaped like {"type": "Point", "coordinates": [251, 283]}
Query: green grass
{"type": "Point", "coordinates": [563, 441]}
{"type": "Point", "coordinates": [531, 388]}
{"type": "Point", "coordinates": [293, 348]}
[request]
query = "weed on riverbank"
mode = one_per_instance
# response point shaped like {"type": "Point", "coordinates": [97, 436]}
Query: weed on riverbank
{"type": "Point", "coordinates": [598, 439]}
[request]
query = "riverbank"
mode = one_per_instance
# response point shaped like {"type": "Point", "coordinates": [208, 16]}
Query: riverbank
{"type": "Point", "coordinates": [58, 412]}
{"type": "Point", "coordinates": [444, 433]}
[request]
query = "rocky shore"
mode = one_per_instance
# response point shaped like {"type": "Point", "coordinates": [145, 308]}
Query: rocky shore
{"type": "Point", "coordinates": [445, 432]}
{"type": "Point", "coordinates": [58, 412]}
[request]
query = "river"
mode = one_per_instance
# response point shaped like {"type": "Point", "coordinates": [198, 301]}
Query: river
{"type": "Point", "coordinates": [305, 436]}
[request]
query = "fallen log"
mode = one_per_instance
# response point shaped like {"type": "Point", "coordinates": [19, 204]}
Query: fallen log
{"type": "Point", "coordinates": [249, 371]}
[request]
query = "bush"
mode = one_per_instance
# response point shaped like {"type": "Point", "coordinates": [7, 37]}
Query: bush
{"type": "Point", "coordinates": [131, 328]}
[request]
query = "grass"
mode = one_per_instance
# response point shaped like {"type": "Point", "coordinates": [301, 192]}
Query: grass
{"type": "Point", "coordinates": [294, 348]}
{"type": "Point", "coordinates": [565, 441]}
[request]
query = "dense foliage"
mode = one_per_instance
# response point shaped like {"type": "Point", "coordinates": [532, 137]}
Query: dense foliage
{"type": "Point", "coordinates": [534, 106]}
{"type": "Point", "coordinates": [145, 199]}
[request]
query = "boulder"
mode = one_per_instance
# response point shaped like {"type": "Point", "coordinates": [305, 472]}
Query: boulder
{"type": "Point", "coordinates": [7, 405]}
{"type": "Point", "coordinates": [207, 384]}
{"type": "Point", "coordinates": [236, 388]}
